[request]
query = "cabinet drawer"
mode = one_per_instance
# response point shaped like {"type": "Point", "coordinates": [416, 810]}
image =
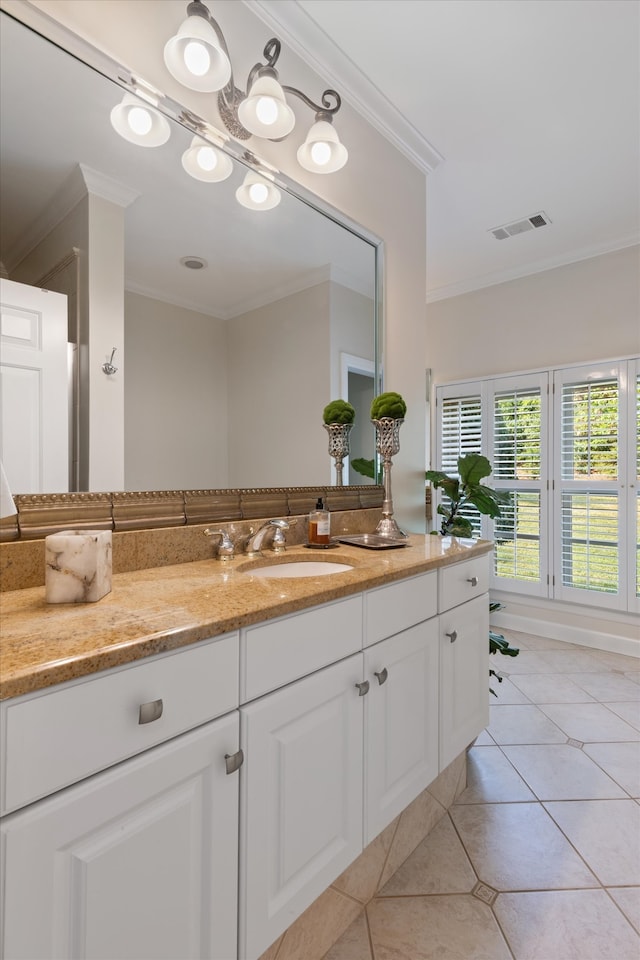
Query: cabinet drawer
{"type": "Point", "coordinates": [277, 652]}
{"type": "Point", "coordinates": [462, 581]}
{"type": "Point", "coordinates": [62, 736]}
{"type": "Point", "coordinates": [393, 608]}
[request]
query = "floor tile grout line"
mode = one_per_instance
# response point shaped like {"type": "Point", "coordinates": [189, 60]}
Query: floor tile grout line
{"type": "Point", "coordinates": [603, 670]}
{"type": "Point", "coordinates": [607, 890]}
{"type": "Point", "coordinates": [569, 841]}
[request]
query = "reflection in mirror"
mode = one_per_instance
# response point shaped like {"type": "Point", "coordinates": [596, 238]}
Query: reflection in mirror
{"type": "Point", "coordinates": [230, 326]}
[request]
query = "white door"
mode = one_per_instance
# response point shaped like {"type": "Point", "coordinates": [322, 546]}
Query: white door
{"type": "Point", "coordinates": [401, 722]}
{"type": "Point", "coordinates": [34, 388]}
{"type": "Point", "coordinates": [464, 676]}
{"type": "Point", "coordinates": [139, 862]}
{"type": "Point", "coordinates": [301, 798]}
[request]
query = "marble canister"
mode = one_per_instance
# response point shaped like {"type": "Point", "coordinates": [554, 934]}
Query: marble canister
{"type": "Point", "coordinates": [77, 566]}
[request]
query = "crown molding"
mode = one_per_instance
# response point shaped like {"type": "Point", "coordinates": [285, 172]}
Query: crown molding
{"type": "Point", "coordinates": [303, 35]}
{"type": "Point", "coordinates": [530, 269]}
{"type": "Point", "coordinates": [101, 185]}
{"type": "Point", "coordinates": [82, 181]}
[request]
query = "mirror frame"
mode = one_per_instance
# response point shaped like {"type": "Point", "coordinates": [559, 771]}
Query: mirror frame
{"type": "Point", "coordinates": [41, 514]}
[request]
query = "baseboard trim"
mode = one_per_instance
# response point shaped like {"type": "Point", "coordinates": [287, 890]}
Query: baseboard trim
{"type": "Point", "coordinates": [555, 630]}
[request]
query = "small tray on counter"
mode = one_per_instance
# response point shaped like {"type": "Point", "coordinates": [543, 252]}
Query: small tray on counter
{"type": "Point", "coordinates": [374, 541]}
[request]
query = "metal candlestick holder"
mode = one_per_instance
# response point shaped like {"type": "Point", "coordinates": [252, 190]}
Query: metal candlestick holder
{"type": "Point", "coordinates": [387, 445]}
{"type": "Point", "coordinates": [338, 445]}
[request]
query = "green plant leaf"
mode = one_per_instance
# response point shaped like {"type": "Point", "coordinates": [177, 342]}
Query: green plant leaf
{"type": "Point", "coordinates": [472, 468]}
{"type": "Point", "coordinates": [450, 485]}
{"type": "Point", "coordinates": [483, 498]}
{"type": "Point", "coordinates": [365, 467]}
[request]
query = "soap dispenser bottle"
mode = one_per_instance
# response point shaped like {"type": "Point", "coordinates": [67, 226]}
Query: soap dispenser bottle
{"type": "Point", "coordinates": [319, 525]}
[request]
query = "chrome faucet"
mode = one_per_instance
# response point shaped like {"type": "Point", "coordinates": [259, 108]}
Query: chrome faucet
{"type": "Point", "coordinates": [226, 549]}
{"type": "Point", "coordinates": [276, 527]}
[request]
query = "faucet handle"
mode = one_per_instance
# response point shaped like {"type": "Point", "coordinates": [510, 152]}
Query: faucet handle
{"type": "Point", "coordinates": [226, 549]}
{"type": "Point", "coordinates": [278, 542]}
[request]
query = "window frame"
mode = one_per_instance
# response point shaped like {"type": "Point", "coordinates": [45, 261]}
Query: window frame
{"type": "Point", "coordinates": [627, 485]}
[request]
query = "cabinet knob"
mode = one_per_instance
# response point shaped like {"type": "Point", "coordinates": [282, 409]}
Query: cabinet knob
{"type": "Point", "coordinates": [150, 711]}
{"type": "Point", "coordinates": [453, 636]}
{"type": "Point", "coordinates": [473, 581]}
{"type": "Point", "coordinates": [234, 761]}
{"type": "Point", "coordinates": [382, 676]}
{"type": "Point", "coordinates": [363, 688]}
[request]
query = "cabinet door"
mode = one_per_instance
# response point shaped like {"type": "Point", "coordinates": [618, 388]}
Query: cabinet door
{"type": "Point", "coordinates": [401, 725]}
{"type": "Point", "coordinates": [137, 862]}
{"type": "Point", "coordinates": [464, 676]}
{"type": "Point", "coordinates": [301, 798]}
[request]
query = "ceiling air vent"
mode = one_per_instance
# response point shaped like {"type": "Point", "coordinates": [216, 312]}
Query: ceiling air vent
{"type": "Point", "coordinates": [520, 226]}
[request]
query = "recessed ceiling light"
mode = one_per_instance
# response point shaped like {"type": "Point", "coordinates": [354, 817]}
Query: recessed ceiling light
{"type": "Point", "coordinates": [193, 263]}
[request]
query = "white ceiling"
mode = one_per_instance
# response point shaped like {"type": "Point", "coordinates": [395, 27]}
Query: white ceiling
{"type": "Point", "coordinates": [514, 106]}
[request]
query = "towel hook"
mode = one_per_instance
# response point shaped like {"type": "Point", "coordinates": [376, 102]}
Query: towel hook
{"type": "Point", "coordinates": [108, 367]}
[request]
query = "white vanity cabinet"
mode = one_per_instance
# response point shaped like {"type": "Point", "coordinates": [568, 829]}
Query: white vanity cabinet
{"type": "Point", "coordinates": [139, 860]}
{"type": "Point", "coordinates": [464, 654]}
{"type": "Point", "coordinates": [301, 798]}
{"type": "Point", "coordinates": [401, 708]}
{"type": "Point", "coordinates": [128, 832]}
{"type": "Point", "coordinates": [331, 758]}
{"type": "Point", "coordinates": [401, 723]}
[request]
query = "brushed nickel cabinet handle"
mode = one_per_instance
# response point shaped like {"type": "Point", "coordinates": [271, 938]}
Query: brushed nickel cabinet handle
{"type": "Point", "coordinates": [381, 676]}
{"type": "Point", "coordinates": [363, 688]}
{"type": "Point", "coordinates": [453, 636]}
{"type": "Point", "coordinates": [473, 581]}
{"type": "Point", "coordinates": [234, 761]}
{"type": "Point", "coordinates": [150, 711]}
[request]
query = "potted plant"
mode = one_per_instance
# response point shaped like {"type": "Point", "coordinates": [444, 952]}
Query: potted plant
{"type": "Point", "coordinates": [387, 415]}
{"type": "Point", "coordinates": [338, 417]}
{"type": "Point", "coordinates": [466, 489]}
{"type": "Point", "coordinates": [460, 491]}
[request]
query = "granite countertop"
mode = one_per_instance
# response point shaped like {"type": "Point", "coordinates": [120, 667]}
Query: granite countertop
{"type": "Point", "coordinates": [164, 608]}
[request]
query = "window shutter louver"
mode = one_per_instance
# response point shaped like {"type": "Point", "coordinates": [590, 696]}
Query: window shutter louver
{"type": "Point", "coordinates": [517, 460]}
{"type": "Point", "coordinates": [461, 433]}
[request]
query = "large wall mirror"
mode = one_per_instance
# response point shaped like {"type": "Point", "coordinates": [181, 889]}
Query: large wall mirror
{"type": "Point", "coordinates": [232, 328]}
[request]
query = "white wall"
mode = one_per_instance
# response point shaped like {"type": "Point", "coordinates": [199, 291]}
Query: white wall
{"type": "Point", "coordinates": [96, 227]}
{"type": "Point", "coordinates": [105, 316]}
{"type": "Point", "coordinates": [583, 311]}
{"type": "Point", "coordinates": [275, 399]}
{"type": "Point", "coordinates": [175, 397]}
{"type": "Point", "coordinates": [352, 317]}
{"type": "Point", "coordinates": [379, 188]}
{"type": "Point", "coordinates": [580, 312]}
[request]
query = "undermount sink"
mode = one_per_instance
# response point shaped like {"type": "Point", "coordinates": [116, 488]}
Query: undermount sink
{"type": "Point", "coordinates": [299, 568]}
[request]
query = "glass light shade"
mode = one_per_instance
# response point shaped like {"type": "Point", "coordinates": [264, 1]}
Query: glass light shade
{"type": "Point", "coordinates": [205, 162]}
{"type": "Point", "coordinates": [322, 151]}
{"type": "Point", "coordinates": [140, 123]}
{"type": "Point", "coordinates": [257, 193]}
{"type": "Point", "coordinates": [195, 58]}
{"type": "Point", "coordinates": [265, 111]}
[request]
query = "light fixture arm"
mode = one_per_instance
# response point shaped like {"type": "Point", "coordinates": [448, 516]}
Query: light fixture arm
{"type": "Point", "coordinates": [324, 111]}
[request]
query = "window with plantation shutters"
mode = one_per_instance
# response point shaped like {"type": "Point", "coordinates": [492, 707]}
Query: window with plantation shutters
{"type": "Point", "coordinates": [570, 459]}
{"type": "Point", "coordinates": [460, 433]}
{"type": "Point", "coordinates": [461, 429]}
{"type": "Point", "coordinates": [589, 506]}
{"type": "Point", "coordinates": [518, 454]}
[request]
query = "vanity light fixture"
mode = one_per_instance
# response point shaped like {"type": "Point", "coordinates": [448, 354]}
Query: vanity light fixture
{"type": "Point", "coordinates": [205, 162]}
{"type": "Point", "coordinates": [258, 192]}
{"type": "Point", "coordinates": [198, 57]}
{"type": "Point", "coordinates": [139, 122]}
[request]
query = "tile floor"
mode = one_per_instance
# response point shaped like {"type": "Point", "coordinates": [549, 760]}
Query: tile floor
{"type": "Point", "coordinates": [539, 859]}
